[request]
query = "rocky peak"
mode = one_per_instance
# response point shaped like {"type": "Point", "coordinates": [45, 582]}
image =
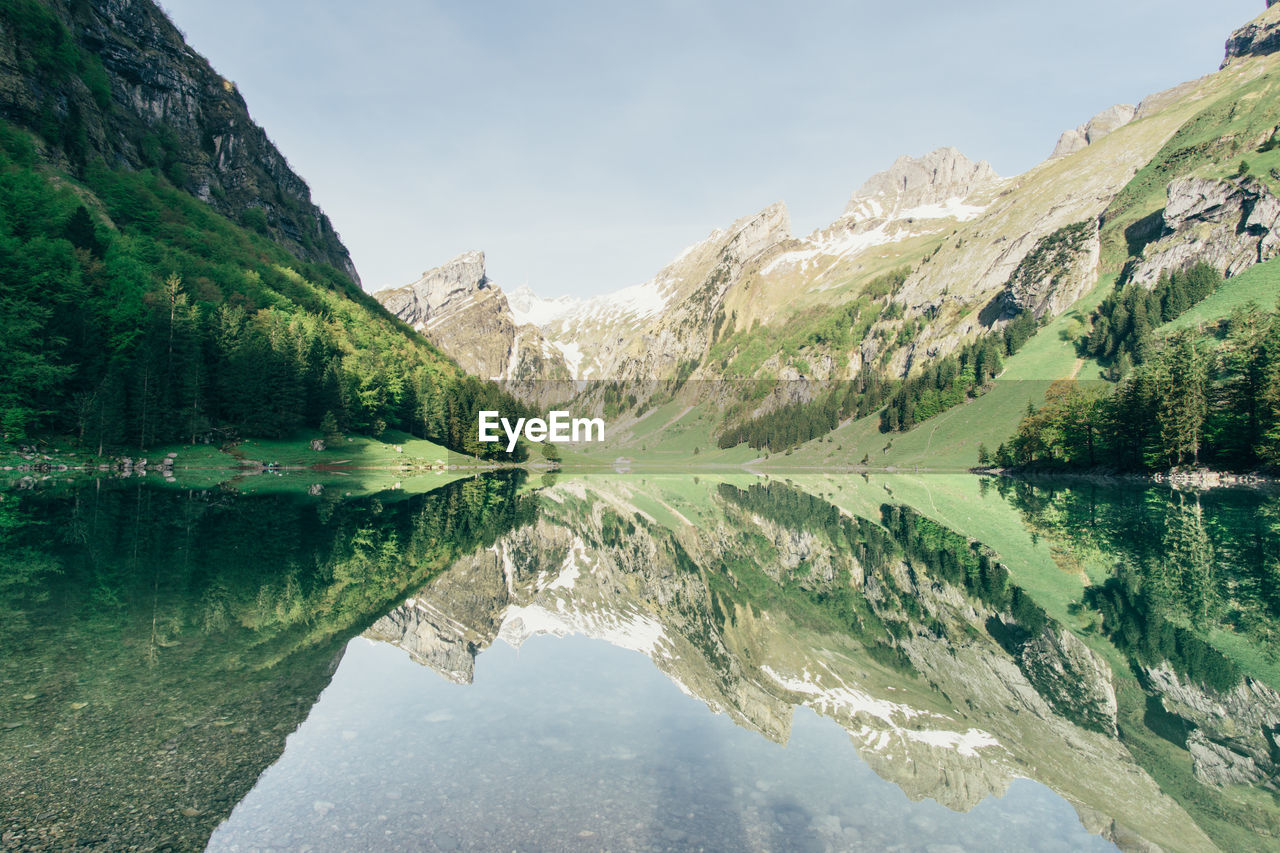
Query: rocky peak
{"type": "Point", "coordinates": [1259, 37]}
{"type": "Point", "coordinates": [751, 235]}
{"type": "Point", "coordinates": [914, 182]}
{"type": "Point", "coordinates": [441, 290]}
{"type": "Point", "coordinates": [1110, 119]}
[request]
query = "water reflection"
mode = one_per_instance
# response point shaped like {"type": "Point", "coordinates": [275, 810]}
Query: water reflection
{"type": "Point", "coordinates": [159, 645]}
{"type": "Point", "coordinates": [921, 646]}
{"type": "Point", "coordinates": [573, 743]}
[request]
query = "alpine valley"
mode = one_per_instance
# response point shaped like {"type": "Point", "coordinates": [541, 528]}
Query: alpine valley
{"type": "Point", "coordinates": [775, 609]}
{"type": "Point", "coordinates": [921, 295]}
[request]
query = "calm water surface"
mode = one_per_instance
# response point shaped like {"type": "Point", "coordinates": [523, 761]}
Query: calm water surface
{"type": "Point", "coordinates": [639, 663]}
{"type": "Point", "coordinates": [575, 744]}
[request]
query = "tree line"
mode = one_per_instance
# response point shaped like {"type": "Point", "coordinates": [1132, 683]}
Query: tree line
{"type": "Point", "coordinates": [952, 379]}
{"type": "Point", "coordinates": [795, 423]}
{"type": "Point", "coordinates": [1123, 324]}
{"type": "Point", "coordinates": [1192, 400]}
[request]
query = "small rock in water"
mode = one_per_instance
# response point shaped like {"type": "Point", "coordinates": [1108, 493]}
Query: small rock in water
{"type": "Point", "coordinates": [190, 812]}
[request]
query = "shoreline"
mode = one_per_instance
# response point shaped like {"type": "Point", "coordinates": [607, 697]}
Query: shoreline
{"type": "Point", "coordinates": [1180, 479]}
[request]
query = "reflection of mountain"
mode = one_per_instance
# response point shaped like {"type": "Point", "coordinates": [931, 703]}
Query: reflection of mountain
{"type": "Point", "coordinates": [160, 646]}
{"type": "Point", "coordinates": [949, 679]}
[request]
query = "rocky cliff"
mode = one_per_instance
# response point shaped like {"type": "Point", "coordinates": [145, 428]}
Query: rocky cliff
{"type": "Point", "coordinates": [1230, 224]}
{"type": "Point", "coordinates": [1259, 37]}
{"type": "Point", "coordinates": [460, 310]}
{"type": "Point", "coordinates": [114, 81]}
{"type": "Point", "coordinates": [1236, 739]}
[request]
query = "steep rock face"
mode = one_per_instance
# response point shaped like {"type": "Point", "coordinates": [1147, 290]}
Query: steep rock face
{"type": "Point", "coordinates": [157, 103]}
{"type": "Point", "coordinates": [441, 291]}
{"type": "Point", "coordinates": [1072, 678]}
{"type": "Point", "coordinates": [1061, 268]}
{"type": "Point", "coordinates": [1259, 37]}
{"type": "Point", "coordinates": [460, 310]}
{"type": "Point", "coordinates": [447, 640]}
{"type": "Point", "coordinates": [1229, 224]}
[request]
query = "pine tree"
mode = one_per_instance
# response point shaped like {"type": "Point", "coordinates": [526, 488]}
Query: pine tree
{"type": "Point", "coordinates": [1183, 402]}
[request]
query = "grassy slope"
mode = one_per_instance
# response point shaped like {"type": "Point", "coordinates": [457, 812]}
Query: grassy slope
{"type": "Point", "coordinates": [1259, 285]}
{"type": "Point", "coordinates": [666, 437]}
{"type": "Point", "coordinates": [950, 440]}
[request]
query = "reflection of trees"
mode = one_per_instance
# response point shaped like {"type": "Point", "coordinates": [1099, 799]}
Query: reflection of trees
{"type": "Point", "coordinates": [1201, 561]}
{"type": "Point", "coordinates": [1136, 623]}
{"type": "Point", "coordinates": [1182, 578]}
{"type": "Point", "coordinates": [191, 632]}
{"type": "Point", "coordinates": [258, 567]}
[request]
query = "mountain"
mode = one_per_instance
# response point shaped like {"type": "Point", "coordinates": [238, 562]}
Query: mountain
{"type": "Point", "coordinates": [166, 277]}
{"type": "Point", "coordinates": [117, 82]}
{"type": "Point", "coordinates": [937, 256]}
{"type": "Point", "coordinates": [457, 308]}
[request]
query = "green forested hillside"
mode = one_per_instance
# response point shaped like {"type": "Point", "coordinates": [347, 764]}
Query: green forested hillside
{"type": "Point", "coordinates": [136, 315]}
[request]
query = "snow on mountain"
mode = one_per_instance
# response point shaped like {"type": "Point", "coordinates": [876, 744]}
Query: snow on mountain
{"type": "Point", "coordinates": [528, 307]}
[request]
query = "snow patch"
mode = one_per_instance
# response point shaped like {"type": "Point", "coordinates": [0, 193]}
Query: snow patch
{"type": "Point", "coordinates": [840, 241]}
{"type": "Point", "coordinates": [639, 302]}
{"type": "Point", "coordinates": [852, 702]}
{"type": "Point", "coordinates": [572, 353]}
{"type": "Point", "coordinates": [527, 307]}
{"type": "Point", "coordinates": [952, 208]}
{"type": "Point", "coordinates": [633, 631]}
{"type": "Point", "coordinates": [569, 572]}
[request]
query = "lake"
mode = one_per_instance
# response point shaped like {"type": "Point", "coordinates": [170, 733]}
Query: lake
{"type": "Point", "coordinates": [638, 662]}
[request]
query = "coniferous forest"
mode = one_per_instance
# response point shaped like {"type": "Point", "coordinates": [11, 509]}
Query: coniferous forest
{"type": "Point", "coordinates": [1191, 396]}
{"type": "Point", "coordinates": [153, 319]}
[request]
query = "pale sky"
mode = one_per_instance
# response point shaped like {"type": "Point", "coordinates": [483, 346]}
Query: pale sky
{"type": "Point", "coordinates": [583, 145]}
